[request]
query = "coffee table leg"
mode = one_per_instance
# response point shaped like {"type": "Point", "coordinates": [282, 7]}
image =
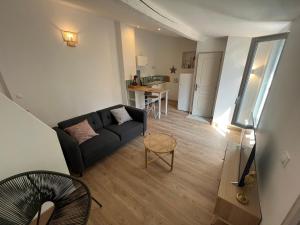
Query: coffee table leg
{"type": "Point", "coordinates": [146, 157]}
{"type": "Point", "coordinates": [172, 161]}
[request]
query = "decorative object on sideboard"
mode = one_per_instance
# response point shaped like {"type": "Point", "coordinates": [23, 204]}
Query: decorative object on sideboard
{"type": "Point", "coordinates": [250, 180]}
{"type": "Point", "coordinates": [242, 198]}
{"type": "Point", "coordinates": [173, 69]}
{"type": "Point", "coordinates": [188, 60]}
{"type": "Point", "coordinates": [71, 38]}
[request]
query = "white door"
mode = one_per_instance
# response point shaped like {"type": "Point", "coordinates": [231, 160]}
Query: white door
{"type": "Point", "coordinates": [173, 91]}
{"type": "Point", "coordinates": [206, 83]}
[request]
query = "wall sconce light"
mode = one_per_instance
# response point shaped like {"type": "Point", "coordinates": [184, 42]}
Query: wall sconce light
{"type": "Point", "coordinates": [71, 38]}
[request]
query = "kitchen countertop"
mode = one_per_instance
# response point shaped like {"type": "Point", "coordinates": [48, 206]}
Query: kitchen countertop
{"type": "Point", "coordinates": [145, 89]}
{"type": "Point", "coordinates": [155, 83]}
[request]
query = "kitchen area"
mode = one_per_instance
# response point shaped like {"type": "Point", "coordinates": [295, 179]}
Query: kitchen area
{"type": "Point", "coordinates": [160, 62]}
{"type": "Point", "coordinates": [145, 93]}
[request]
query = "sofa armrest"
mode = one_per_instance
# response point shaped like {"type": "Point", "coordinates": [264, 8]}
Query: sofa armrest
{"type": "Point", "coordinates": [139, 115]}
{"type": "Point", "coordinates": [71, 151]}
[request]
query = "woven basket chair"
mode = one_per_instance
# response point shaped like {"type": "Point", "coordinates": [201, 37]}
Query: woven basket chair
{"type": "Point", "coordinates": [22, 197]}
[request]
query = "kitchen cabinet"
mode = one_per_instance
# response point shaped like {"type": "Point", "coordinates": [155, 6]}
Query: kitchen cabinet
{"type": "Point", "coordinates": [171, 86]}
{"type": "Point", "coordinates": [173, 90]}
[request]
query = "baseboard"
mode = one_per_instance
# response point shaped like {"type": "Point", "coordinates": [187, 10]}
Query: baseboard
{"type": "Point", "coordinates": [230, 126]}
{"type": "Point", "coordinates": [235, 128]}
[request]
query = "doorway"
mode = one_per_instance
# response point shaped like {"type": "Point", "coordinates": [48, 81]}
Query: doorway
{"type": "Point", "coordinates": [262, 61]}
{"type": "Point", "coordinates": [206, 83]}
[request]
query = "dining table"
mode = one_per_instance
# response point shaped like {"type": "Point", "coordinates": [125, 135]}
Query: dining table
{"type": "Point", "coordinates": [162, 92]}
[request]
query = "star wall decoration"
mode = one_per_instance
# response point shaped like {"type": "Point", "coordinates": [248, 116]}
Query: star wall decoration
{"type": "Point", "coordinates": [173, 69]}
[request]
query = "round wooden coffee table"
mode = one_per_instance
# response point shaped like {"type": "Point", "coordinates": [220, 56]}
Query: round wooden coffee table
{"type": "Point", "coordinates": [160, 144]}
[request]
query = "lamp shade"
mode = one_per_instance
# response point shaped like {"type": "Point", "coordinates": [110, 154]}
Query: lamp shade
{"type": "Point", "coordinates": [71, 38]}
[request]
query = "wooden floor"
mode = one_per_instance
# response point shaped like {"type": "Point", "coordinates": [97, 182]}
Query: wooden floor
{"type": "Point", "coordinates": [133, 195]}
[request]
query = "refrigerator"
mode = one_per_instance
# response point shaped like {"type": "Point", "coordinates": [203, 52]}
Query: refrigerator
{"type": "Point", "coordinates": [184, 91]}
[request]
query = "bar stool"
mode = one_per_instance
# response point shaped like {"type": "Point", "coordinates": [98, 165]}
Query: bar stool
{"type": "Point", "coordinates": [150, 101]}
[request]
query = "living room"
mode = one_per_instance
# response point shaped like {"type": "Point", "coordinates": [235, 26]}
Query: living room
{"type": "Point", "coordinates": [64, 63]}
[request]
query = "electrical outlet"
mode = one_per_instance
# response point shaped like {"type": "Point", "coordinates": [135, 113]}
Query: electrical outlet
{"type": "Point", "coordinates": [285, 158]}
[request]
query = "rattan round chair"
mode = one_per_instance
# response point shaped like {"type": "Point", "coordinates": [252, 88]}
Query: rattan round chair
{"type": "Point", "coordinates": [22, 197]}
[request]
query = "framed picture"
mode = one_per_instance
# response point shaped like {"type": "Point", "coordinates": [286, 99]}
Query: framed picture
{"type": "Point", "coordinates": [188, 60]}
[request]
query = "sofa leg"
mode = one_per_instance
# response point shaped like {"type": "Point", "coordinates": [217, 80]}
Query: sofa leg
{"type": "Point", "coordinates": [96, 201]}
{"type": "Point", "coordinates": [77, 174]}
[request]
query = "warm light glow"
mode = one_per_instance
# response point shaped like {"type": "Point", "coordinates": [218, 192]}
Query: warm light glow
{"type": "Point", "coordinates": [251, 137]}
{"type": "Point", "coordinates": [221, 129]}
{"type": "Point", "coordinates": [252, 76]}
{"type": "Point", "coordinates": [71, 38]}
{"type": "Point", "coordinates": [223, 119]}
{"type": "Point", "coordinates": [159, 29]}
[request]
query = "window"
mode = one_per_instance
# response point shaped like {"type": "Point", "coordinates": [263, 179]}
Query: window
{"type": "Point", "coordinates": [262, 61]}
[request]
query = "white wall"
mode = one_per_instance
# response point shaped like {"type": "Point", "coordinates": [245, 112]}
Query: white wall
{"type": "Point", "coordinates": [163, 52]}
{"type": "Point", "coordinates": [53, 81]}
{"type": "Point", "coordinates": [125, 35]}
{"type": "Point", "coordinates": [26, 143]}
{"type": "Point", "coordinates": [234, 61]}
{"type": "Point", "coordinates": [212, 45]}
{"type": "Point", "coordinates": [128, 50]}
{"type": "Point", "coordinates": [278, 131]}
{"type": "Point", "coordinates": [2, 89]}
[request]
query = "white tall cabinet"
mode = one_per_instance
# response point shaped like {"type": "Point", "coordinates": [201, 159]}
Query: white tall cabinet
{"type": "Point", "coordinates": [184, 91]}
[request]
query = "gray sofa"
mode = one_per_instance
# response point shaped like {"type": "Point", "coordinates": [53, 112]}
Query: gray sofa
{"type": "Point", "coordinates": [111, 136]}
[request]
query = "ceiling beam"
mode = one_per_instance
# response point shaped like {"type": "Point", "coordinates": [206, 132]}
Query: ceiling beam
{"type": "Point", "coordinates": [151, 10]}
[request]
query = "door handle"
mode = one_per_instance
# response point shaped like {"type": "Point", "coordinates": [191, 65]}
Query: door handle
{"type": "Point", "coordinates": [196, 86]}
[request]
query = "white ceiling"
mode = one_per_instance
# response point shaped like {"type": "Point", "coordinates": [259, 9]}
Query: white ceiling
{"type": "Point", "coordinates": [255, 10]}
{"type": "Point", "coordinates": [117, 10]}
{"type": "Point", "coordinates": [197, 19]}
{"type": "Point", "coordinates": [232, 17]}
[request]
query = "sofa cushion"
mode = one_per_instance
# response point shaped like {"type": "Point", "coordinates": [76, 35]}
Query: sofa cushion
{"type": "Point", "coordinates": [121, 115]}
{"type": "Point", "coordinates": [93, 119]}
{"type": "Point", "coordinates": [99, 146]}
{"type": "Point", "coordinates": [81, 131]}
{"type": "Point", "coordinates": [107, 117]}
{"type": "Point", "coordinates": [127, 130]}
